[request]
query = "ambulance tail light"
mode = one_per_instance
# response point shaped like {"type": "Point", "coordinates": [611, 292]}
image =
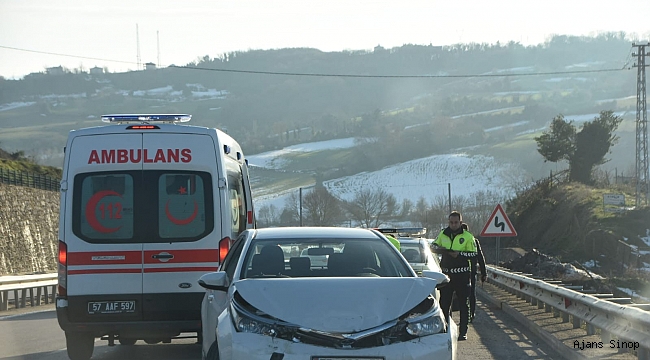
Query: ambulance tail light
{"type": "Point", "coordinates": [224, 246]}
{"type": "Point", "coordinates": [63, 269]}
{"type": "Point", "coordinates": [250, 216]}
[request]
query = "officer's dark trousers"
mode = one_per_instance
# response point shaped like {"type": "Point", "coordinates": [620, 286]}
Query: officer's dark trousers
{"type": "Point", "coordinates": [472, 295]}
{"type": "Point", "coordinates": [460, 284]}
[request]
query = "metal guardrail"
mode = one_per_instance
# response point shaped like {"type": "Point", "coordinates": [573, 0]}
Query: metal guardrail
{"type": "Point", "coordinates": [35, 289]}
{"type": "Point", "coordinates": [626, 322]}
{"type": "Point", "coordinates": [27, 179]}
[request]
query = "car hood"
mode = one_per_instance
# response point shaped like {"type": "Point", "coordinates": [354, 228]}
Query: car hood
{"type": "Point", "coordinates": [339, 305]}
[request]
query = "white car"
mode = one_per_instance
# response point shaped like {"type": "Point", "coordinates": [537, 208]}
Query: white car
{"type": "Point", "coordinates": [367, 303]}
{"type": "Point", "coordinates": [315, 260]}
{"type": "Point", "coordinates": [418, 254]}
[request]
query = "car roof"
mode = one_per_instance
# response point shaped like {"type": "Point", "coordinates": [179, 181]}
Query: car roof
{"type": "Point", "coordinates": [412, 240]}
{"type": "Point", "coordinates": [314, 232]}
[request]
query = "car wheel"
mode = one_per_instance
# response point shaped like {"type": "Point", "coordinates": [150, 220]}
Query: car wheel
{"type": "Point", "coordinates": [80, 346]}
{"type": "Point", "coordinates": [127, 341]}
{"type": "Point", "coordinates": [213, 353]}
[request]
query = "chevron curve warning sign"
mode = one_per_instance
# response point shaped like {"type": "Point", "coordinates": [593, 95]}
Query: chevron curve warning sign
{"type": "Point", "coordinates": [498, 224]}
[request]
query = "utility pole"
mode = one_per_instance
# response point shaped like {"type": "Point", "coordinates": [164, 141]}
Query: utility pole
{"type": "Point", "coordinates": [300, 196]}
{"type": "Point", "coordinates": [300, 207]}
{"type": "Point", "coordinates": [137, 39]}
{"type": "Point", "coordinates": [642, 183]}
{"type": "Point", "coordinates": [449, 192]}
{"type": "Point", "coordinates": [158, 44]}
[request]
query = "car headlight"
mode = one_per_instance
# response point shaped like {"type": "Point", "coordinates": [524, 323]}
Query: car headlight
{"type": "Point", "coordinates": [426, 324]}
{"type": "Point", "coordinates": [245, 321]}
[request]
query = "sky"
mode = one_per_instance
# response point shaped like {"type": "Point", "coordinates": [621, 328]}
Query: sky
{"type": "Point", "coordinates": [85, 34]}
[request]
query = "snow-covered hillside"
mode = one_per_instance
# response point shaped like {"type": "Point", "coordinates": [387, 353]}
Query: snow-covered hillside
{"type": "Point", "coordinates": [427, 177]}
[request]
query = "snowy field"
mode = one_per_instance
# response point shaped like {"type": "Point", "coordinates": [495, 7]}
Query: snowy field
{"type": "Point", "coordinates": [427, 177]}
{"type": "Point", "coordinates": [275, 159]}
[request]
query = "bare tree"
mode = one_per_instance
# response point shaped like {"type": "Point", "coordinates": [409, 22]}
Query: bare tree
{"type": "Point", "coordinates": [372, 208]}
{"type": "Point", "coordinates": [263, 216]}
{"type": "Point", "coordinates": [406, 208]}
{"type": "Point", "coordinates": [291, 211]}
{"type": "Point", "coordinates": [321, 208]}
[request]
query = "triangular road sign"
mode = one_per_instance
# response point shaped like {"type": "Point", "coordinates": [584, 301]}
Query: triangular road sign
{"type": "Point", "coordinates": [498, 224]}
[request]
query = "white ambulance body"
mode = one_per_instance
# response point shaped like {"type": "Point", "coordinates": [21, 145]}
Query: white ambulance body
{"type": "Point", "coordinates": [147, 207]}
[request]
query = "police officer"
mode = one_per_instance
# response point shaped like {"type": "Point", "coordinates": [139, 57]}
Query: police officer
{"type": "Point", "coordinates": [457, 248]}
{"type": "Point", "coordinates": [393, 240]}
{"type": "Point", "coordinates": [477, 262]}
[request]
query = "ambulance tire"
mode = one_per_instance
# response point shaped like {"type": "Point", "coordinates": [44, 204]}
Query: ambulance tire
{"type": "Point", "coordinates": [127, 341]}
{"type": "Point", "coordinates": [213, 353]}
{"type": "Point", "coordinates": [80, 345]}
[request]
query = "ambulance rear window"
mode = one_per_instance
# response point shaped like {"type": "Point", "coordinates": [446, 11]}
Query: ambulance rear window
{"type": "Point", "coordinates": [142, 206]}
{"type": "Point", "coordinates": [107, 211]}
{"type": "Point", "coordinates": [182, 205]}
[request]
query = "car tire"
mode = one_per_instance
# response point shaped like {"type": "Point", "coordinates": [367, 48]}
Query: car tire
{"type": "Point", "coordinates": [127, 341]}
{"type": "Point", "coordinates": [213, 353]}
{"type": "Point", "coordinates": [79, 345]}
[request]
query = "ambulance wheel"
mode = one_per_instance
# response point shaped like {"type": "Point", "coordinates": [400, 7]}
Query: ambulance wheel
{"type": "Point", "coordinates": [80, 345]}
{"type": "Point", "coordinates": [127, 341]}
{"type": "Point", "coordinates": [213, 353]}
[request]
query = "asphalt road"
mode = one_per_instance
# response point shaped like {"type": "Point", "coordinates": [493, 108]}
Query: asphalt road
{"type": "Point", "coordinates": [28, 335]}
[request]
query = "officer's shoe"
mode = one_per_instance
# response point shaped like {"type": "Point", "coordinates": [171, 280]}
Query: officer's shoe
{"type": "Point", "coordinates": [462, 337]}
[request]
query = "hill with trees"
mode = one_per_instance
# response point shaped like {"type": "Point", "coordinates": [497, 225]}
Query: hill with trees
{"type": "Point", "coordinates": [418, 100]}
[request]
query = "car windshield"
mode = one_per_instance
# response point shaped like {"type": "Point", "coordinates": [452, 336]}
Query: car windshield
{"type": "Point", "coordinates": [413, 253]}
{"type": "Point", "coordinates": [322, 258]}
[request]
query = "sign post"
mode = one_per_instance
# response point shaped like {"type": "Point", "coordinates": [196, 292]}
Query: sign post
{"type": "Point", "coordinates": [498, 225]}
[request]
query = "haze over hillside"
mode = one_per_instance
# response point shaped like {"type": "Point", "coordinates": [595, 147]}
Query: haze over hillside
{"type": "Point", "coordinates": [490, 100]}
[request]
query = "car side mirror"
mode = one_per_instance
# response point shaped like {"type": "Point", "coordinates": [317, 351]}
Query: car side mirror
{"type": "Point", "coordinates": [215, 281]}
{"type": "Point", "coordinates": [440, 278]}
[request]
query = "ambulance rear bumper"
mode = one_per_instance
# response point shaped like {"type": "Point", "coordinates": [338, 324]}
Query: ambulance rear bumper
{"type": "Point", "coordinates": [137, 329]}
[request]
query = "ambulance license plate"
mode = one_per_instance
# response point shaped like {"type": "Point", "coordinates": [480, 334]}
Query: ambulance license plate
{"type": "Point", "coordinates": [347, 358]}
{"type": "Point", "coordinates": [111, 307]}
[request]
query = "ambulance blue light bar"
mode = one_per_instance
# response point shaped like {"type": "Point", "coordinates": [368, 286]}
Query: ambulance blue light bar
{"type": "Point", "coordinates": [146, 118]}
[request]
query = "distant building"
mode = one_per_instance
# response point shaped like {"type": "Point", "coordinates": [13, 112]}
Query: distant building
{"type": "Point", "coordinates": [55, 70]}
{"type": "Point", "coordinates": [96, 70]}
{"type": "Point", "coordinates": [150, 66]}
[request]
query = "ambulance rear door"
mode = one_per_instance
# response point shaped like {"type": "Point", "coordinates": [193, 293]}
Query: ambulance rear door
{"type": "Point", "coordinates": [181, 170]}
{"type": "Point", "coordinates": [104, 253]}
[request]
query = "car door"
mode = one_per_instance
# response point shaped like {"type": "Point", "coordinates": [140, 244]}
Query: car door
{"type": "Point", "coordinates": [104, 255]}
{"type": "Point", "coordinates": [216, 301]}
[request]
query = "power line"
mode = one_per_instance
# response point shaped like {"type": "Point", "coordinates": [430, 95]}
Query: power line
{"type": "Point", "coordinates": [66, 55]}
{"type": "Point", "coordinates": [397, 76]}
{"type": "Point", "coordinates": [259, 72]}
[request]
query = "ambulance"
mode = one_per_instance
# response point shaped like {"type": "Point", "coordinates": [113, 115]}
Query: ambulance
{"type": "Point", "coordinates": [148, 205]}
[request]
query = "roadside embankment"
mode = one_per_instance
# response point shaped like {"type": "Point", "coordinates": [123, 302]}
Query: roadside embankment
{"type": "Point", "coordinates": [29, 222]}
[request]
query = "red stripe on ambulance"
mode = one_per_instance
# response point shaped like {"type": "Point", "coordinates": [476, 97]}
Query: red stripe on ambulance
{"type": "Point", "coordinates": [181, 269]}
{"type": "Point", "coordinates": [104, 271]}
{"type": "Point", "coordinates": [104, 258]}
